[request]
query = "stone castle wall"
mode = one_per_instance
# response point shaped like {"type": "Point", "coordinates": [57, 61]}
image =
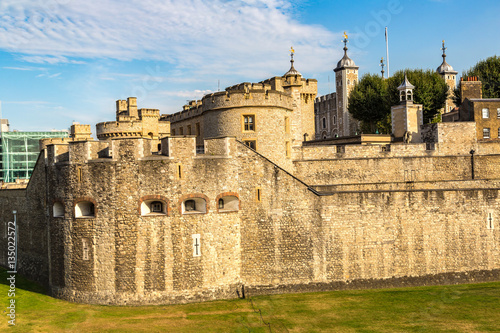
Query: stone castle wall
{"type": "Point", "coordinates": [282, 235]}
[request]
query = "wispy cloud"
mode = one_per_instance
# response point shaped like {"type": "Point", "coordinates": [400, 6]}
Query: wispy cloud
{"type": "Point", "coordinates": [26, 68]}
{"type": "Point", "coordinates": [193, 94]}
{"type": "Point", "coordinates": [207, 36]}
{"type": "Point", "coordinates": [50, 76]}
{"type": "Point", "coordinates": [26, 102]}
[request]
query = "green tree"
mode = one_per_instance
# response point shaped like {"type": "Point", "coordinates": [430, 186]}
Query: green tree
{"type": "Point", "coordinates": [368, 102]}
{"type": "Point", "coordinates": [371, 100]}
{"type": "Point", "coordinates": [488, 72]}
{"type": "Point", "coordinates": [430, 90]}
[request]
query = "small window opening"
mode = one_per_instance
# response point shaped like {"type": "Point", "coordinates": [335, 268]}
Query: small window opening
{"type": "Point", "coordinates": [179, 171]}
{"type": "Point", "coordinates": [221, 203]}
{"type": "Point", "coordinates": [249, 123]}
{"type": "Point", "coordinates": [486, 133]}
{"type": "Point", "coordinates": [58, 209]}
{"type": "Point", "coordinates": [489, 221]}
{"type": "Point", "coordinates": [85, 249]}
{"type": "Point", "coordinates": [79, 174]}
{"type": "Point", "coordinates": [259, 195]}
{"type": "Point", "coordinates": [196, 245]}
{"type": "Point", "coordinates": [189, 205]}
{"type": "Point", "coordinates": [251, 143]}
{"type": "Point", "coordinates": [84, 209]}
{"type": "Point", "coordinates": [194, 206]}
{"type": "Point", "coordinates": [156, 207]}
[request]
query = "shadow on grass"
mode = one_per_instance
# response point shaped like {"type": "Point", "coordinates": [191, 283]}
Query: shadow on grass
{"type": "Point", "coordinates": [22, 282]}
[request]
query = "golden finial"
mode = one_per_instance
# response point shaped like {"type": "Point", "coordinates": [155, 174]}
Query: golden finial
{"type": "Point", "coordinates": [345, 35]}
{"type": "Point", "coordinates": [291, 49]}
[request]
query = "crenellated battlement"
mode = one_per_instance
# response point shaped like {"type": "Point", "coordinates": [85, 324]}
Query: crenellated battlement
{"type": "Point", "coordinates": [81, 152]}
{"type": "Point", "coordinates": [242, 95]}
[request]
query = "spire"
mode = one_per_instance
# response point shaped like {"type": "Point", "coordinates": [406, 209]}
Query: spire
{"type": "Point", "coordinates": [445, 67]}
{"type": "Point", "coordinates": [382, 65]}
{"type": "Point", "coordinates": [292, 70]}
{"type": "Point", "coordinates": [345, 61]}
{"type": "Point", "coordinates": [345, 43]}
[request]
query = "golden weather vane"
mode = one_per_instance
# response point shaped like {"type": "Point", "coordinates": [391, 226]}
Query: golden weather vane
{"type": "Point", "coordinates": [345, 35]}
{"type": "Point", "coordinates": [291, 49]}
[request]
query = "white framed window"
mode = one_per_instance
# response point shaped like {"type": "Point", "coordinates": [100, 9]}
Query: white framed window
{"type": "Point", "coordinates": [498, 113]}
{"type": "Point", "coordinates": [486, 133]}
{"type": "Point", "coordinates": [486, 113]}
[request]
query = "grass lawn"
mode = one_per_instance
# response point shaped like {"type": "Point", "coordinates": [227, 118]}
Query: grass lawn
{"type": "Point", "coordinates": [458, 308]}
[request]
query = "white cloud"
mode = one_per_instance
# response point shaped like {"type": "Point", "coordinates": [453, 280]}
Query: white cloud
{"type": "Point", "coordinates": [246, 37]}
{"type": "Point", "coordinates": [193, 94]}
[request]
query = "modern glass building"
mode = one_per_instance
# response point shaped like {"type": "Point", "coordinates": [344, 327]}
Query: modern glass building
{"type": "Point", "coordinates": [19, 152]}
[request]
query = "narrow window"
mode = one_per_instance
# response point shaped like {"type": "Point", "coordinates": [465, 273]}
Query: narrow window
{"type": "Point", "coordinates": [181, 131]}
{"type": "Point", "coordinates": [85, 249]}
{"type": "Point", "coordinates": [173, 132]}
{"type": "Point", "coordinates": [248, 122]}
{"type": "Point", "coordinates": [486, 113]}
{"type": "Point", "coordinates": [324, 122]}
{"type": "Point", "coordinates": [486, 133]}
{"type": "Point", "coordinates": [489, 221]}
{"type": "Point", "coordinates": [79, 174]}
{"type": "Point", "coordinates": [335, 120]}
{"type": "Point", "coordinates": [498, 113]}
{"type": "Point", "coordinates": [159, 147]}
{"type": "Point", "coordinates": [189, 130]}
{"type": "Point", "coordinates": [196, 245]}
{"type": "Point", "coordinates": [221, 203]}
{"type": "Point", "coordinates": [287, 124]}
{"type": "Point", "coordinates": [179, 171]}
{"type": "Point", "coordinates": [198, 130]}
{"type": "Point", "coordinates": [287, 147]}
{"type": "Point", "coordinates": [189, 205]}
{"type": "Point", "coordinates": [258, 195]}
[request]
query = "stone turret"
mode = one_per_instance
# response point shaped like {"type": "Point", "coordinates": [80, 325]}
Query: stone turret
{"type": "Point", "coordinates": [449, 76]}
{"type": "Point", "coordinates": [407, 117]}
{"type": "Point", "coordinates": [346, 76]}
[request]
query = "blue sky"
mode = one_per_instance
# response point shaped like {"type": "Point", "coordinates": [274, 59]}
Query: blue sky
{"type": "Point", "coordinates": [70, 60]}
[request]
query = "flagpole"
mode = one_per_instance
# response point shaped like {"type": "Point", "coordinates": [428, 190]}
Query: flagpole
{"type": "Point", "coordinates": [387, 52]}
